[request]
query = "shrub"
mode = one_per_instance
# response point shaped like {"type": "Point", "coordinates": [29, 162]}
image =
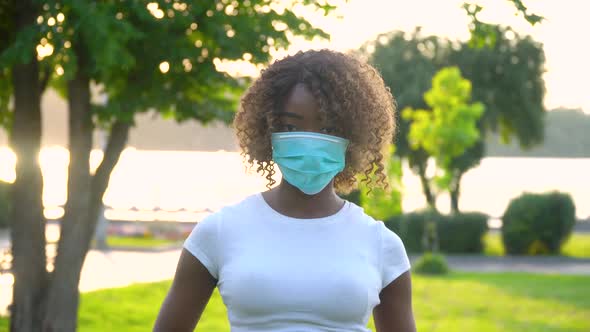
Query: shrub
{"type": "Point", "coordinates": [462, 232]}
{"type": "Point", "coordinates": [394, 223]}
{"type": "Point", "coordinates": [431, 263]}
{"type": "Point", "coordinates": [353, 197]}
{"type": "Point", "coordinates": [538, 223]}
{"type": "Point", "coordinates": [459, 233]}
{"type": "Point", "coordinates": [411, 229]}
{"type": "Point", "coordinates": [4, 204]}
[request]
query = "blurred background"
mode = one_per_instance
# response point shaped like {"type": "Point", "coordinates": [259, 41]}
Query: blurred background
{"type": "Point", "coordinates": [130, 102]}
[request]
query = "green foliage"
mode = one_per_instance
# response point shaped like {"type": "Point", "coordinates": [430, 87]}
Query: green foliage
{"type": "Point", "coordinates": [432, 264]}
{"type": "Point", "coordinates": [482, 33]}
{"type": "Point", "coordinates": [536, 224]}
{"type": "Point", "coordinates": [394, 223]}
{"type": "Point", "coordinates": [407, 63]}
{"type": "Point", "coordinates": [463, 233]}
{"type": "Point", "coordinates": [4, 204]}
{"type": "Point", "coordinates": [5, 94]}
{"type": "Point", "coordinates": [382, 203]}
{"type": "Point", "coordinates": [353, 197]}
{"type": "Point", "coordinates": [511, 91]}
{"type": "Point", "coordinates": [410, 228]}
{"type": "Point", "coordinates": [456, 233]}
{"type": "Point", "coordinates": [508, 80]}
{"type": "Point", "coordinates": [451, 127]}
{"type": "Point", "coordinates": [122, 46]}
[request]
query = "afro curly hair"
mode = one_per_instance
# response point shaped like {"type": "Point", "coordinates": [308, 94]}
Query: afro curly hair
{"type": "Point", "coordinates": [351, 95]}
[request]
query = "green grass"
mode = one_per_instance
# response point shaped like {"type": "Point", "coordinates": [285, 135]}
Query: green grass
{"type": "Point", "coordinates": [137, 242]}
{"type": "Point", "coordinates": [493, 244]}
{"type": "Point", "coordinates": [458, 302]}
{"type": "Point", "coordinates": [578, 245]}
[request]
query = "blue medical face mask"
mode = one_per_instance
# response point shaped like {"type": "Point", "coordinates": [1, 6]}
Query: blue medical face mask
{"type": "Point", "coordinates": [307, 160]}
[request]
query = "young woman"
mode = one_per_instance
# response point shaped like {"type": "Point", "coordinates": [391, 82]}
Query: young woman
{"type": "Point", "coordinates": [298, 257]}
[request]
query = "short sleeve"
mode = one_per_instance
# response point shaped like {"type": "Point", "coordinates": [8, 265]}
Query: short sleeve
{"type": "Point", "coordinates": [203, 243]}
{"type": "Point", "coordinates": [394, 259]}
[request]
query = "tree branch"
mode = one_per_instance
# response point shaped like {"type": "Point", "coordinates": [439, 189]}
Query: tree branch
{"type": "Point", "coordinates": [115, 145]}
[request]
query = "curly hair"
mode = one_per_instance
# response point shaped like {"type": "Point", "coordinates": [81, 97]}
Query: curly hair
{"type": "Point", "coordinates": [350, 94]}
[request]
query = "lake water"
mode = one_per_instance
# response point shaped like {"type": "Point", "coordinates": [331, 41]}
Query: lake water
{"type": "Point", "coordinates": [185, 185]}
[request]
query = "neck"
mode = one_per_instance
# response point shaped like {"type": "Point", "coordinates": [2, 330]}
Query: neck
{"type": "Point", "coordinates": [291, 201]}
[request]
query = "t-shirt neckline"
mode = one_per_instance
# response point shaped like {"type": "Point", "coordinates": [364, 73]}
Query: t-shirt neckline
{"type": "Point", "coordinates": [304, 221]}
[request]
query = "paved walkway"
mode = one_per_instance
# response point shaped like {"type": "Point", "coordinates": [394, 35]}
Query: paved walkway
{"type": "Point", "coordinates": [112, 269]}
{"type": "Point", "coordinates": [539, 264]}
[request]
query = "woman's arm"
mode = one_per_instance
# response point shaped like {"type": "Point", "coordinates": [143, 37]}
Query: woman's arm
{"type": "Point", "coordinates": [187, 297]}
{"type": "Point", "coordinates": [394, 313]}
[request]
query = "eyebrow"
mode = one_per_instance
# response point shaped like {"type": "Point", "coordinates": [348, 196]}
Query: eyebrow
{"type": "Point", "coordinates": [290, 115]}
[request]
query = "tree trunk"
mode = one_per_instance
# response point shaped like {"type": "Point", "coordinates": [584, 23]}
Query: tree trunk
{"type": "Point", "coordinates": [101, 231]}
{"type": "Point", "coordinates": [455, 192]}
{"type": "Point", "coordinates": [76, 226]}
{"type": "Point", "coordinates": [27, 228]}
{"type": "Point", "coordinates": [430, 198]}
{"type": "Point", "coordinates": [100, 180]}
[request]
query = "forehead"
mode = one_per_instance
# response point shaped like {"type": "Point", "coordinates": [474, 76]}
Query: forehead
{"type": "Point", "coordinates": [301, 101]}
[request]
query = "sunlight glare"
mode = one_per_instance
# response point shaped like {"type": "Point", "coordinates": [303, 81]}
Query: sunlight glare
{"type": "Point", "coordinates": [164, 67]}
{"type": "Point", "coordinates": [7, 165]}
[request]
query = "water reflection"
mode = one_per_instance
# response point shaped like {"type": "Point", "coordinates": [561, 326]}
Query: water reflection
{"type": "Point", "coordinates": [186, 185]}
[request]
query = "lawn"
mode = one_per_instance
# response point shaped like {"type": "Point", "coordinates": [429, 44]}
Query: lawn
{"type": "Point", "coordinates": [137, 242]}
{"type": "Point", "coordinates": [459, 302]}
{"type": "Point", "coordinates": [578, 245]}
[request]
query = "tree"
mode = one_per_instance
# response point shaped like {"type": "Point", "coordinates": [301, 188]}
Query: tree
{"type": "Point", "coordinates": [512, 92]}
{"type": "Point", "coordinates": [507, 78]}
{"type": "Point", "coordinates": [450, 127]}
{"type": "Point", "coordinates": [159, 55]}
{"type": "Point", "coordinates": [23, 80]}
{"type": "Point", "coordinates": [407, 64]}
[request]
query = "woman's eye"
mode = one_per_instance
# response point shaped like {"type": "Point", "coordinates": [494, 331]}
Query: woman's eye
{"type": "Point", "coordinates": [328, 130]}
{"type": "Point", "coordinates": [289, 127]}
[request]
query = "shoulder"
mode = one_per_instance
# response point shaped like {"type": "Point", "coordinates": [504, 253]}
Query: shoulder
{"type": "Point", "coordinates": [377, 228]}
{"type": "Point", "coordinates": [206, 240]}
{"type": "Point", "coordinates": [391, 254]}
{"type": "Point", "coordinates": [211, 225]}
{"type": "Point", "coordinates": [235, 211]}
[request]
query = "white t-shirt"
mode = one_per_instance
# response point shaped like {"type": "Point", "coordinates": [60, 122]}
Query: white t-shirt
{"type": "Point", "coordinates": [282, 274]}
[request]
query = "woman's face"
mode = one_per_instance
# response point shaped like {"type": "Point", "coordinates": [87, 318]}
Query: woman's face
{"type": "Point", "coordinates": [301, 113]}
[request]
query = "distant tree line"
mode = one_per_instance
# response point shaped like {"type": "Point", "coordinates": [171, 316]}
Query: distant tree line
{"type": "Point", "coordinates": [567, 135]}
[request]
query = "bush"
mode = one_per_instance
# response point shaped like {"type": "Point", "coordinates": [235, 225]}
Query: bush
{"type": "Point", "coordinates": [394, 224]}
{"type": "Point", "coordinates": [463, 233]}
{"type": "Point", "coordinates": [414, 226]}
{"type": "Point", "coordinates": [459, 233]}
{"type": "Point", "coordinates": [4, 204]}
{"type": "Point", "coordinates": [536, 224]}
{"type": "Point", "coordinates": [353, 197]}
{"type": "Point", "coordinates": [431, 263]}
